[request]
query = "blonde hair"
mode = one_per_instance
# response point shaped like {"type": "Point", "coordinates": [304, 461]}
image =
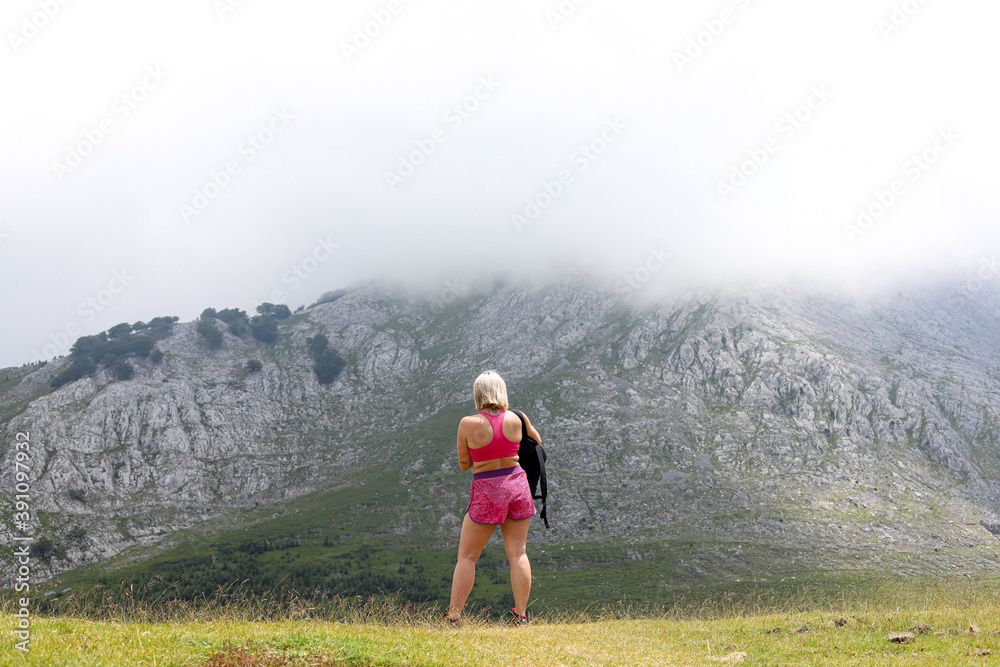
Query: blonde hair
{"type": "Point", "coordinates": [490, 391]}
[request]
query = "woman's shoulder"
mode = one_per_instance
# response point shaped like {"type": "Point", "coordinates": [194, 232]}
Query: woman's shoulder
{"type": "Point", "coordinates": [469, 420]}
{"type": "Point", "coordinates": [513, 417]}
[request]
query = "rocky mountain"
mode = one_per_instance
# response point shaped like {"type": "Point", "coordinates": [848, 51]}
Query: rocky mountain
{"type": "Point", "coordinates": [730, 434]}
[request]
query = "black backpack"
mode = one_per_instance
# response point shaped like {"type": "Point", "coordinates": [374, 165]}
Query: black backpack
{"type": "Point", "coordinates": [531, 457]}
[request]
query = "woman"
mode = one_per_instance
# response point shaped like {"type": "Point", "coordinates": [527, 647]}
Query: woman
{"type": "Point", "coordinates": [499, 496]}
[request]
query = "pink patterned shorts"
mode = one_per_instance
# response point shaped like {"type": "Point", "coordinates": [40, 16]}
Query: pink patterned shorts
{"type": "Point", "coordinates": [500, 494]}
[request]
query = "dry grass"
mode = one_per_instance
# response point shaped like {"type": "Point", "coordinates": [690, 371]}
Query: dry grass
{"type": "Point", "coordinates": [747, 641]}
{"type": "Point", "coordinates": [236, 602]}
{"type": "Point", "coordinates": [952, 622]}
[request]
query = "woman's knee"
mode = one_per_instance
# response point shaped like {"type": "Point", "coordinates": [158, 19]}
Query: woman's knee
{"type": "Point", "coordinates": [469, 556]}
{"type": "Point", "coordinates": [515, 550]}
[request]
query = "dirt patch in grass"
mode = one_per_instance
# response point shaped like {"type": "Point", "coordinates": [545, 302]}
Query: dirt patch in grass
{"type": "Point", "coordinates": [235, 656]}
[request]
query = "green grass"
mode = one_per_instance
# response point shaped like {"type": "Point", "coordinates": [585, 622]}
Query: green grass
{"type": "Point", "coordinates": [952, 620]}
{"type": "Point", "coordinates": [7, 382]}
{"type": "Point", "coordinates": [11, 410]}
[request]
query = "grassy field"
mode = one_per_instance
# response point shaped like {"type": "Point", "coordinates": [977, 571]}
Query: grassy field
{"type": "Point", "coordinates": [952, 622]}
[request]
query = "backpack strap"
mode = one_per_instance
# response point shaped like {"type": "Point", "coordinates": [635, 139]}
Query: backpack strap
{"type": "Point", "coordinates": [540, 455]}
{"type": "Point", "coordinates": [542, 482]}
{"type": "Point", "coordinates": [524, 427]}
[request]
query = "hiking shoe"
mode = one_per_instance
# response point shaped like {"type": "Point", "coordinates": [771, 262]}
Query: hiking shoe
{"type": "Point", "coordinates": [516, 619]}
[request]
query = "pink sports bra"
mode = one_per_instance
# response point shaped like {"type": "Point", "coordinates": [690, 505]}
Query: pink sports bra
{"type": "Point", "coordinates": [499, 446]}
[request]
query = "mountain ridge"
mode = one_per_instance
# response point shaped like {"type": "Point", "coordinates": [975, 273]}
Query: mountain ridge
{"type": "Point", "coordinates": [827, 433]}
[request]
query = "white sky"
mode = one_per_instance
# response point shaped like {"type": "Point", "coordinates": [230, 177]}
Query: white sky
{"type": "Point", "coordinates": [316, 197]}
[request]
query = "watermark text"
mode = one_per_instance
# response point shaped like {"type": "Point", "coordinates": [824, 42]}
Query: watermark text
{"type": "Point", "coordinates": [786, 128]}
{"type": "Point", "coordinates": [33, 24]}
{"type": "Point", "coordinates": [711, 31]}
{"type": "Point", "coordinates": [121, 108]}
{"type": "Point", "coordinates": [454, 118]}
{"type": "Point", "coordinates": [218, 181]}
{"type": "Point", "coordinates": [23, 525]}
{"type": "Point", "coordinates": [913, 170]}
{"type": "Point", "coordinates": [582, 159]}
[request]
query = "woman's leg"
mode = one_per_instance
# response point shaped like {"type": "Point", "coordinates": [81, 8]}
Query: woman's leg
{"type": "Point", "coordinates": [470, 546]}
{"type": "Point", "coordinates": [515, 538]}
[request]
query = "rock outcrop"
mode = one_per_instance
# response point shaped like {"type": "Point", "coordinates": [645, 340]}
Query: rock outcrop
{"type": "Point", "coordinates": [833, 431]}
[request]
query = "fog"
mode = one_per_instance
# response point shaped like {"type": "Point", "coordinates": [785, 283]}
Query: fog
{"type": "Point", "coordinates": [163, 158]}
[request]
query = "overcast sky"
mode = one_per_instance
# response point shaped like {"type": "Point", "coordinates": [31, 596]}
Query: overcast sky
{"type": "Point", "coordinates": [159, 158]}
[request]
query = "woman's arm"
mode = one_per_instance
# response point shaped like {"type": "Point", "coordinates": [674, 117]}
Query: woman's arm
{"type": "Point", "coordinates": [532, 433]}
{"type": "Point", "coordinates": [464, 459]}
